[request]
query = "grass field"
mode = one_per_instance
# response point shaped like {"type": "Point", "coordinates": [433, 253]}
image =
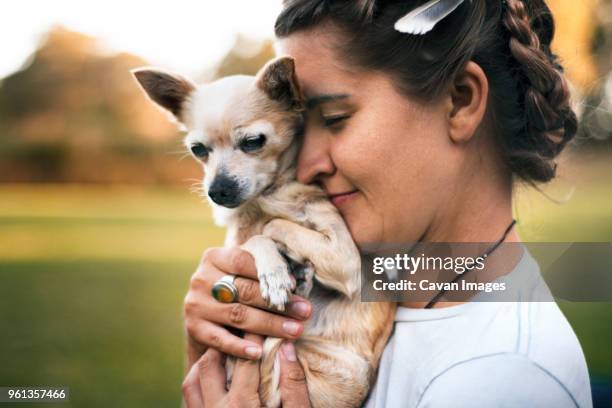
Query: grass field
{"type": "Point", "coordinates": [91, 286]}
{"type": "Point", "coordinates": [92, 280]}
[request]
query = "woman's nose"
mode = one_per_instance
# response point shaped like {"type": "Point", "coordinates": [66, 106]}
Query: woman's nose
{"type": "Point", "coordinates": [314, 160]}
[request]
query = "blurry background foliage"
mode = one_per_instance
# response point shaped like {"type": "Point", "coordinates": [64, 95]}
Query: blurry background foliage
{"type": "Point", "coordinates": [74, 114]}
{"type": "Point", "coordinates": [99, 231]}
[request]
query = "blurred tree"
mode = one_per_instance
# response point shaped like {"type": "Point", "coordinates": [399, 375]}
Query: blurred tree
{"type": "Point", "coordinates": [72, 85]}
{"type": "Point", "coordinates": [74, 113]}
{"type": "Point", "coordinates": [573, 38]}
{"type": "Point", "coordinates": [72, 110]}
{"type": "Point", "coordinates": [597, 118]}
{"type": "Point", "coordinates": [245, 57]}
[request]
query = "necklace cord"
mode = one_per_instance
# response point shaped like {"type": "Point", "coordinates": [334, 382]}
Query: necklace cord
{"type": "Point", "coordinates": [439, 295]}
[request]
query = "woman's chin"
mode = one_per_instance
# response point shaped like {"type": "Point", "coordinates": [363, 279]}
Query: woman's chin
{"type": "Point", "coordinates": [365, 236]}
{"type": "Point", "coordinates": [363, 224]}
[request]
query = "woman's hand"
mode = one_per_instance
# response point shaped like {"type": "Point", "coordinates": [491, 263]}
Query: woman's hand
{"type": "Point", "coordinates": [205, 317]}
{"type": "Point", "coordinates": [204, 386]}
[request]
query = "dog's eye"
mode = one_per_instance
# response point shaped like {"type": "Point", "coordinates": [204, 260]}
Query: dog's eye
{"type": "Point", "coordinates": [250, 144]}
{"type": "Point", "coordinates": [199, 150]}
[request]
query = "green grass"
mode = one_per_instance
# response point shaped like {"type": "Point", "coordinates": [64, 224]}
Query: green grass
{"type": "Point", "coordinates": [92, 281]}
{"type": "Point", "coordinates": [110, 330]}
{"type": "Point", "coordinates": [91, 287]}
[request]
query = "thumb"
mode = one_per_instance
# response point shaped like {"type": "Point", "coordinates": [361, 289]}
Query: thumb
{"type": "Point", "coordinates": [293, 388]}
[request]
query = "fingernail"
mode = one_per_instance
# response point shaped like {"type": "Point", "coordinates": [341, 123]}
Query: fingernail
{"type": "Point", "coordinates": [252, 351]}
{"type": "Point", "coordinates": [292, 328]}
{"type": "Point", "coordinates": [300, 308]}
{"type": "Point", "coordinates": [288, 351]}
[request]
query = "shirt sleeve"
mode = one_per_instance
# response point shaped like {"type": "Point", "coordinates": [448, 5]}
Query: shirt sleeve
{"type": "Point", "coordinates": [505, 380]}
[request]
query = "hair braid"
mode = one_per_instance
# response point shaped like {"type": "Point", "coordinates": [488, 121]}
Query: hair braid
{"type": "Point", "coordinates": [550, 122]}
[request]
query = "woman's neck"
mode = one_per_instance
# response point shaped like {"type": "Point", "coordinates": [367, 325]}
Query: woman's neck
{"type": "Point", "coordinates": [479, 214]}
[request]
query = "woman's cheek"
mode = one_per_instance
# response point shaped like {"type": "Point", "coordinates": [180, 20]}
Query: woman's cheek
{"type": "Point", "coordinates": [360, 160]}
{"type": "Point", "coordinates": [395, 202]}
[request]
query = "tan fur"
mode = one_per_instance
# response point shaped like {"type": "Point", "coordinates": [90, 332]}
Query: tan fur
{"type": "Point", "coordinates": [344, 339]}
{"type": "Point", "coordinates": [342, 343]}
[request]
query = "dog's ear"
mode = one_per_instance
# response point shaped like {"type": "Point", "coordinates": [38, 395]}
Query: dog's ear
{"type": "Point", "coordinates": [278, 80]}
{"type": "Point", "coordinates": [168, 90]}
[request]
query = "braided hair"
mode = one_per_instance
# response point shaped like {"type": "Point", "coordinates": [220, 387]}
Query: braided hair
{"type": "Point", "coordinates": [529, 101]}
{"type": "Point", "coordinates": [550, 122]}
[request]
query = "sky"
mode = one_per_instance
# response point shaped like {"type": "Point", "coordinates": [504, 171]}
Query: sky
{"type": "Point", "coordinates": [184, 35]}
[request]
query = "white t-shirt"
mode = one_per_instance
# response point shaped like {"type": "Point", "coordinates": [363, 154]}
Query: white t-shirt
{"type": "Point", "coordinates": [483, 354]}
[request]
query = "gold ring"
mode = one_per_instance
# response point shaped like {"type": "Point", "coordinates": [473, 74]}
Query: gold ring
{"type": "Point", "coordinates": [224, 290]}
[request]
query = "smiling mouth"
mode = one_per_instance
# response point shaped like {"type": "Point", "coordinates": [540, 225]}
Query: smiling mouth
{"type": "Point", "coordinates": [341, 198]}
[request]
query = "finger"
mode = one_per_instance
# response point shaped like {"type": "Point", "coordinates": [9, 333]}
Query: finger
{"type": "Point", "coordinates": [293, 388]}
{"type": "Point", "coordinates": [191, 389]}
{"type": "Point", "coordinates": [299, 307]}
{"type": "Point", "coordinates": [211, 368]}
{"type": "Point", "coordinates": [253, 320]}
{"type": "Point", "coordinates": [249, 293]}
{"type": "Point", "coordinates": [219, 338]}
{"type": "Point", "coordinates": [232, 260]}
{"type": "Point", "coordinates": [246, 372]}
{"type": "Point", "coordinates": [194, 351]}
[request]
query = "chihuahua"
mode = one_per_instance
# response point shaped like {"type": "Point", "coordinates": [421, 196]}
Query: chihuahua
{"type": "Point", "coordinates": [246, 131]}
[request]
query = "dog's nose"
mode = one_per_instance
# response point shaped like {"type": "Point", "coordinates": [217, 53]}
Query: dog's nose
{"type": "Point", "coordinates": [224, 191]}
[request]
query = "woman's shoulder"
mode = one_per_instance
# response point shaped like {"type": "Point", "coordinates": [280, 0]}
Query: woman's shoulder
{"type": "Point", "coordinates": [511, 378]}
{"type": "Point", "coordinates": [487, 350]}
{"type": "Point", "coordinates": [525, 351]}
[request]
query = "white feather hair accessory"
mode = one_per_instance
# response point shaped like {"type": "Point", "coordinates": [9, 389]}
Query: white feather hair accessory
{"type": "Point", "coordinates": [424, 18]}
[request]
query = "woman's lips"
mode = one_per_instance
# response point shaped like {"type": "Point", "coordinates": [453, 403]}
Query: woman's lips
{"type": "Point", "coordinates": [342, 198]}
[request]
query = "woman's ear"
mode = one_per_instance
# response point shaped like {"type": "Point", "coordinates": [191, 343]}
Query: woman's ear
{"type": "Point", "coordinates": [468, 103]}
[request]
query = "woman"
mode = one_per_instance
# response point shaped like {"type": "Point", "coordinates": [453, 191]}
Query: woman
{"type": "Point", "coordinates": [415, 138]}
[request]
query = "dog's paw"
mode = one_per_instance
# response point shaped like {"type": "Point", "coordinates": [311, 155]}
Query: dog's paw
{"type": "Point", "coordinates": [276, 286]}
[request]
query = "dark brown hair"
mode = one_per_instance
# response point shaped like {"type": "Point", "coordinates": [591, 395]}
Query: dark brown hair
{"type": "Point", "coordinates": [509, 39]}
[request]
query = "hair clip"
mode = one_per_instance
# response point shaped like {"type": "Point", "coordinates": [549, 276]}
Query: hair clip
{"type": "Point", "coordinates": [424, 18]}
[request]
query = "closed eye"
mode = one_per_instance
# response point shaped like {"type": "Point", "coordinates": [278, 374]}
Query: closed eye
{"type": "Point", "coordinates": [252, 143]}
{"type": "Point", "coordinates": [330, 121]}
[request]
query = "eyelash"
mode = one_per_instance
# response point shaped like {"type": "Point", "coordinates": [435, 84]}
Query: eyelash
{"type": "Point", "coordinates": [334, 120]}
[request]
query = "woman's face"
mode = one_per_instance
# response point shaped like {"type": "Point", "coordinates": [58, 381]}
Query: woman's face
{"type": "Point", "coordinates": [384, 160]}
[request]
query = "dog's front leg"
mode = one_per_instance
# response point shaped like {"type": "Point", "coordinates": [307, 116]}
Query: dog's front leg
{"type": "Point", "coordinates": [335, 258]}
{"type": "Point", "coordinates": [275, 280]}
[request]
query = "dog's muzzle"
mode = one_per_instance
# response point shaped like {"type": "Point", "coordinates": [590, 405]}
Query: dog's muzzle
{"type": "Point", "coordinates": [225, 191]}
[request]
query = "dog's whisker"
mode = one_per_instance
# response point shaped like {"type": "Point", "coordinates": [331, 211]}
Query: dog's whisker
{"type": "Point", "coordinates": [182, 153]}
{"type": "Point", "coordinates": [197, 187]}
